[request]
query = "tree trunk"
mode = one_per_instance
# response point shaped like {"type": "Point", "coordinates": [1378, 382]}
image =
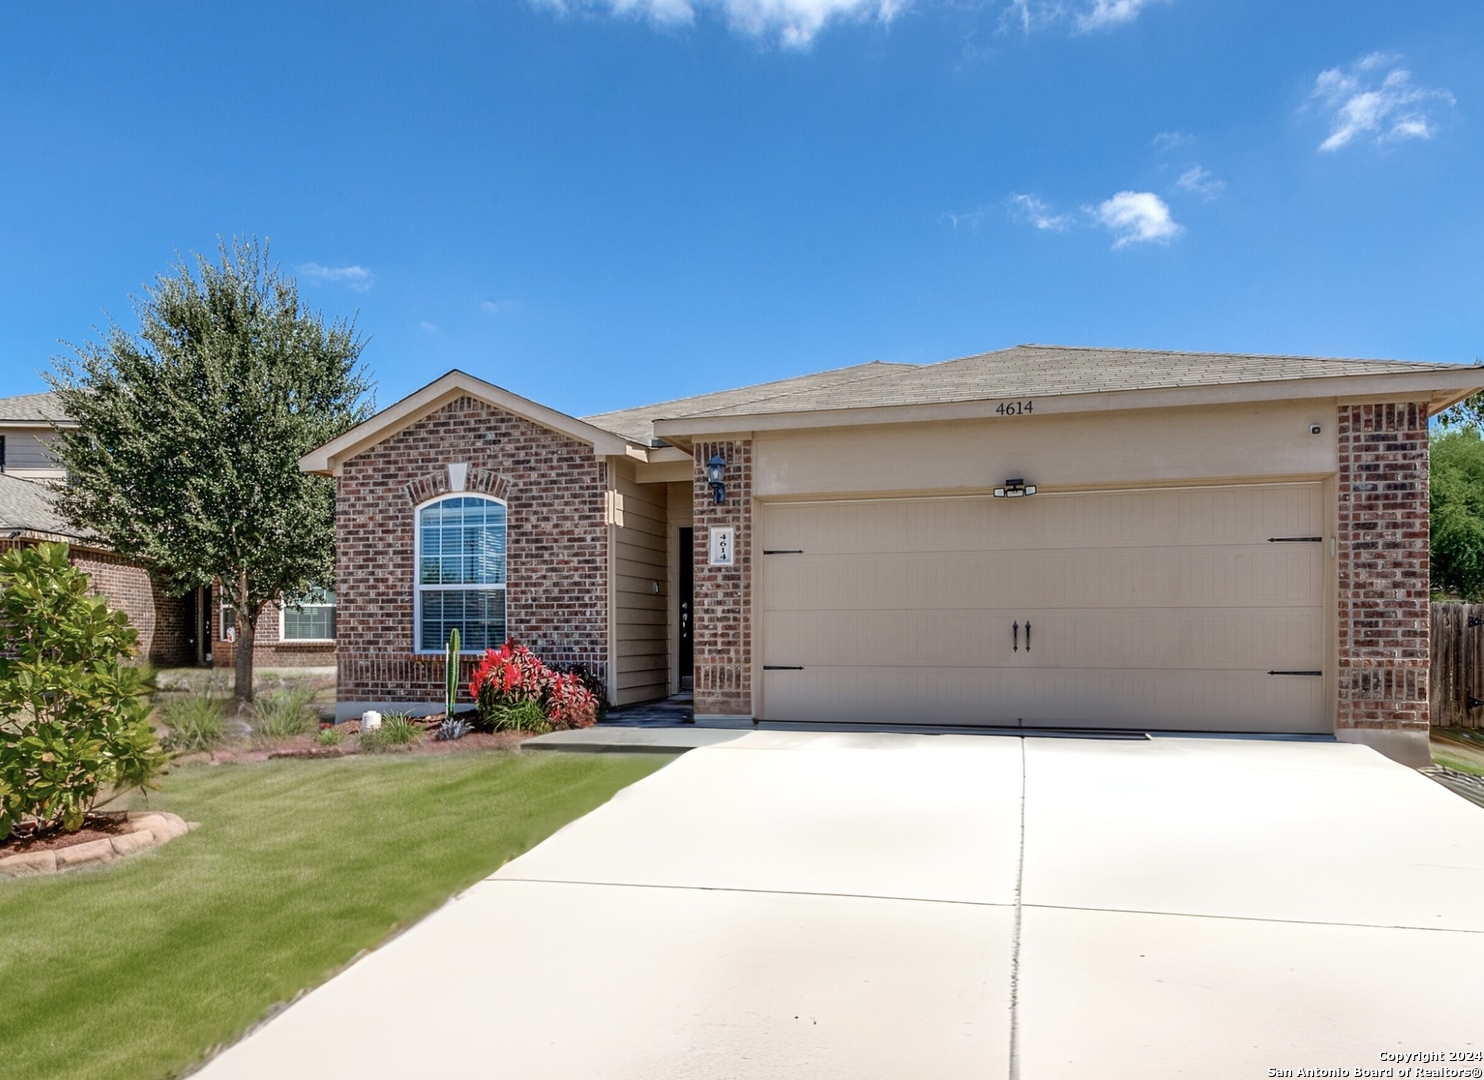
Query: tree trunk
{"type": "Point", "coordinates": [247, 630]}
{"type": "Point", "coordinates": [247, 623]}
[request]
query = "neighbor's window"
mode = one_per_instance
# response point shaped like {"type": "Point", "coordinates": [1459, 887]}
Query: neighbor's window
{"type": "Point", "coordinates": [461, 573]}
{"type": "Point", "coordinates": [313, 620]}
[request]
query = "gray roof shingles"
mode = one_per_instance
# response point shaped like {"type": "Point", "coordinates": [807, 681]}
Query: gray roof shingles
{"type": "Point", "coordinates": [1020, 372]}
{"type": "Point", "coordinates": [30, 409]}
{"type": "Point", "coordinates": [28, 505]}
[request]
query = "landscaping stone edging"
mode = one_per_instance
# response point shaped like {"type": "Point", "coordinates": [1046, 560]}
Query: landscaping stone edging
{"type": "Point", "coordinates": [145, 829]}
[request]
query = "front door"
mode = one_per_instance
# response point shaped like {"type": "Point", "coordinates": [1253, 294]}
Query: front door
{"type": "Point", "coordinates": [685, 632]}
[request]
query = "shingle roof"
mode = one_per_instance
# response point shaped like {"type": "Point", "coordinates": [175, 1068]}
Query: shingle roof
{"type": "Point", "coordinates": [1020, 372]}
{"type": "Point", "coordinates": [30, 408]}
{"type": "Point", "coordinates": [637, 423]}
{"type": "Point", "coordinates": [26, 504]}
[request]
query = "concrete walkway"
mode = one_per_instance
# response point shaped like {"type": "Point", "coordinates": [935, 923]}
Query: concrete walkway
{"type": "Point", "coordinates": [855, 906]}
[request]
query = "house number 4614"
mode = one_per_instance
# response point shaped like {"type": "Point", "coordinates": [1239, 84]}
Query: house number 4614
{"type": "Point", "coordinates": [1015, 408]}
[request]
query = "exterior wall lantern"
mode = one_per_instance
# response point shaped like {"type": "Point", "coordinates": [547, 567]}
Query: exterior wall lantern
{"type": "Point", "coordinates": [1014, 489]}
{"type": "Point", "coordinates": [716, 468]}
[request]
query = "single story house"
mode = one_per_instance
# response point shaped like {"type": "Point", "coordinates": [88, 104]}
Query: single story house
{"type": "Point", "coordinates": [173, 630]}
{"type": "Point", "coordinates": [1040, 536]}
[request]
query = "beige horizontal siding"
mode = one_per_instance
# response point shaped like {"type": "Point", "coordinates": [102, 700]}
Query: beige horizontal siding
{"type": "Point", "coordinates": [641, 592]}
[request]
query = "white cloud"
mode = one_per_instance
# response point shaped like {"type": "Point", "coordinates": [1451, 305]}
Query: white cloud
{"type": "Point", "coordinates": [971, 220]}
{"type": "Point", "coordinates": [792, 23]}
{"type": "Point", "coordinates": [1136, 217]}
{"type": "Point", "coordinates": [1199, 181]}
{"type": "Point", "coordinates": [1034, 211]}
{"type": "Point", "coordinates": [1375, 97]}
{"type": "Point", "coordinates": [355, 278]}
{"type": "Point", "coordinates": [431, 328]}
{"type": "Point", "coordinates": [1108, 13]}
{"type": "Point", "coordinates": [498, 307]}
{"type": "Point", "coordinates": [1168, 140]}
{"type": "Point", "coordinates": [1088, 15]}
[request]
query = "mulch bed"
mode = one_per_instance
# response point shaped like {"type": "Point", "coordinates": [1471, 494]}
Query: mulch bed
{"type": "Point", "coordinates": [307, 746]}
{"type": "Point", "coordinates": [97, 826]}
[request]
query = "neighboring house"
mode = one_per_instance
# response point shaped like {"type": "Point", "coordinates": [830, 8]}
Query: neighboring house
{"type": "Point", "coordinates": [28, 426]}
{"type": "Point", "coordinates": [1037, 537]}
{"type": "Point", "coordinates": [192, 629]}
{"type": "Point", "coordinates": [28, 517]}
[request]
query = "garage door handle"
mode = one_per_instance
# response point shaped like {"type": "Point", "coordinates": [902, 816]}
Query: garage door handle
{"type": "Point", "coordinates": [1015, 637]}
{"type": "Point", "coordinates": [783, 667]}
{"type": "Point", "coordinates": [1295, 673]}
{"type": "Point", "coordinates": [1027, 635]}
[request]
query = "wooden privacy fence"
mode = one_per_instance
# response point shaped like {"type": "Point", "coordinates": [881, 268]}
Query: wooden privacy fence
{"type": "Point", "coordinates": [1457, 665]}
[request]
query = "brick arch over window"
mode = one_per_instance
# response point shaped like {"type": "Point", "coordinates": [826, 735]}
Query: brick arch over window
{"type": "Point", "coordinates": [479, 481]}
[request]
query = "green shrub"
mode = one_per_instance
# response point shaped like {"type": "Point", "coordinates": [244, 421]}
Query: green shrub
{"type": "Point", "coordinates": [196, 722]}
{"type": "Point", "coordinates": [283, 714]}
{"type": "Point", "coordinates": [73, 724]}
{"type": "Point", "coordinates": [329, 736]}
{"type": "Point", "coordinates": [525, 715]}
{"type": "Point", "coordinates": [395, 730]}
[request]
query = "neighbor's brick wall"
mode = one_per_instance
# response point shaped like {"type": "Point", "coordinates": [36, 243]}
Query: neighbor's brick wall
{"type": "Point", "coordinates": [723, 594]}
{"type": "Point", "coordinates": [556, 598]}
{"type": "Point", "coordinates": [1383, 567]}
{"type": "Point", "coordinates": [162, 621]}
{"type": "Point", "coordinates": [267, 649]}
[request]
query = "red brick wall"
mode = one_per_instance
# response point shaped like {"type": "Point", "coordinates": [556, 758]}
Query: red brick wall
{"type": "Point", "coordinates": [556, 599]}
{"type": "Point", "coordinates": [1383, 567]}
{"type": "Point", "coordinates": [161, 620]}
{"type": "Point", "coordinates": [723, 594]}
{"type": "Point", "coordinates": [267, 650]}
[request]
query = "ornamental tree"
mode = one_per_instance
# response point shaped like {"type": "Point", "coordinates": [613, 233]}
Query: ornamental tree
{"type": "Point", "coordinates": [188, 438]}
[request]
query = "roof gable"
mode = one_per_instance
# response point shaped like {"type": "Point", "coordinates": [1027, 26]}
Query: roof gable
{"type": "Point", "coordinates": [439, 393]}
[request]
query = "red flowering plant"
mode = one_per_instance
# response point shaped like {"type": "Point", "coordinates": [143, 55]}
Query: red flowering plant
{"type": "Point", "coordinates": [515, 690]}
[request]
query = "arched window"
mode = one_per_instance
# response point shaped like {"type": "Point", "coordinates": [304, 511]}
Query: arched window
{"type": "Point", "coordinates": [460, 573]}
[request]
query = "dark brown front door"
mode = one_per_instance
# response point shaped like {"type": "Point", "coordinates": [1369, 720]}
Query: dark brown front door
{"type": "Point", "coordinates": [687, 658]}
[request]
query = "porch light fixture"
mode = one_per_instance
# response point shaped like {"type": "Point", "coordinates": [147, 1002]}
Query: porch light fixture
{"type": "Point", "coordinates": [716, 468]}
{"type": "Point", "coordinates": [1014, 489]}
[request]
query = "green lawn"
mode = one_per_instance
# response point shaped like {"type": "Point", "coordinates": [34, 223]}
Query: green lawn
{"type": "Point", "coordinates": [138, 969]}
{"type": "Point", "coordinates": [1461, 749]}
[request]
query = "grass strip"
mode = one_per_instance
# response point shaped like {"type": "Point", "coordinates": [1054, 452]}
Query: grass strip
{"type": "Point", "coordinates": [137, 970]}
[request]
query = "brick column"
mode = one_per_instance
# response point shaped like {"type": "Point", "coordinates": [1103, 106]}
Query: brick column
{"type": "Point", "coordinates": [723, 594]}
{"type": "Point", "coordinates": [1383, 579]}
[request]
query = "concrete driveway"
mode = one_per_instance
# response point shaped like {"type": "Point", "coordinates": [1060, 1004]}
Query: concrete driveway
{"type": "Point", "coordinates": [907, 906]}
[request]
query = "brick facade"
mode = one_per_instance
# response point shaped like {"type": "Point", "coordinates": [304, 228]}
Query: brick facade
{"type": "Point", "coordinates": [723, 594]}
{"type": "Point", "coordinates": [1383, 569]}
{"type": "Point", "coordinates": [556, 556]}
{"type": "Point", "coordinates": [162, 621]}
{"type": "Point", "coordinates": [267, 649]}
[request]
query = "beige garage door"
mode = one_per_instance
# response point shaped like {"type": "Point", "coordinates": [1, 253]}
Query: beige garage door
{"type": "Point", "coordinates": [1170, 609]}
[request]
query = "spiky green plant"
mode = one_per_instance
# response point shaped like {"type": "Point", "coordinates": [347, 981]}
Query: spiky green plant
{"type": "Point", "coordinates": [451, 672]}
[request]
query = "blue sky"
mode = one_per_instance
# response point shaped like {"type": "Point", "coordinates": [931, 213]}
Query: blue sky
{"type": "Point", "coordinates": [602, 203]}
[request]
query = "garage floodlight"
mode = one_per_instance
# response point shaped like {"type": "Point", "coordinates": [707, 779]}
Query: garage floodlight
{"type": "Point", "coordinates": [716, 469]}
{"type": "Point", "coordinates": [1013, 489]}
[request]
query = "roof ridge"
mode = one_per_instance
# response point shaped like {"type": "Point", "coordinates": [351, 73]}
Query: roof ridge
{"type": "Point", "coordinates": [1212, 354]}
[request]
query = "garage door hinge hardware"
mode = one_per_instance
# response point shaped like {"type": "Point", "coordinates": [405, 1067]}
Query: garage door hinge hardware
{"type": "Point", "coordinates": [1295, 673]}
{"type": "Point", "coordinates": [783, 667]}
{"type": "Point", "coordinates": [1295, 539]}
{"type": "Point", "coordinates": [783, 551]}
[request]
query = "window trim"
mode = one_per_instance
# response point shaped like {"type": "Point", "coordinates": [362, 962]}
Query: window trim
{"type": "Point", "coordinates": [417, 559]}
{"type": "Point", "coordinates": [283, 608]}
